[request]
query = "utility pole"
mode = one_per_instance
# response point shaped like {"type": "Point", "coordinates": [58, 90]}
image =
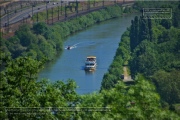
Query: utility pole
{"type": "Point", "coordinates": [76, 7]}
{"type": "Point", "coordinates": [21, 6]}
{"type": "Point", "coordinates": [88, 5]}
{"type": "Point", "coordinates": [8, 20]}
{"type": "Point", "coordinates": [32, 9]}
{"type": "Point", "coordinates": [23, 19]}
{"type": "Point", "coordinates": [11, 5]}
{"type": "Point", "coordinates": [82, 5]}
{"type": "Point", "coordinates": [52, 15]}
{"type": "Point", "coordinates": [103, 3]}
{"type": "Point", "coordinates": [114, 1]}
{"type": "Point", "coordinates": [61, 7]}
{"type": "Point", "coordinates": [58, 12]}
{"type": "Point", "coordinates": [46, 14]}
{"type": "Point", "coordinates": [65, 12]}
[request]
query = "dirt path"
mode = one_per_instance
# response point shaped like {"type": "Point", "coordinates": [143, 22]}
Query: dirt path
{"type": "Point", "coordinates": [127, 77]}
{"type": "Point", "coordinates": [125, 73]}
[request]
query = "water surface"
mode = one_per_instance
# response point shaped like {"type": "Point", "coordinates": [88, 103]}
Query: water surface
{"type": "Point", "coordinates": [100, 40]}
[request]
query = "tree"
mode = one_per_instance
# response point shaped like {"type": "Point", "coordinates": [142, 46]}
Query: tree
{"type": "Point", "coordinates": [93, 106]}
{"type": "Point", "coordinates": [47, 49]}
{"type": "Point", "coordinates": [166, 23]}
{"type": "Point", "coordinates": [139, 101]}
{"type": "Point", "coordinates": [176, 17]}
{"type": "Point", "coordinates": [109, 81]}
{"type": "Point", "coordinates": [40, 28]}
{"type": "Point", "coordinates": [134, 33]}
{"type": "Point", "coordinates": [21, 90]}
{"type": "Point", "coordinates": [168, 85]}
{"type": "Point", "coordinates": [144, 30]}
{"type": "Point", "coordinates": [26, 36]}
{"type": "Point", "coordinates": [18, 87]}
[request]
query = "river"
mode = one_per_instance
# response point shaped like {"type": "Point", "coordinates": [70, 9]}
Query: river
{"type": "Point", "coordinates": [100, 40]}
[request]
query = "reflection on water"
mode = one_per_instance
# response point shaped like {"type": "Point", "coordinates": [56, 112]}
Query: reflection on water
{"type": "Point", "coordinates": [100, 40]}
{"type": "Point", "coordinates": [89, 72]}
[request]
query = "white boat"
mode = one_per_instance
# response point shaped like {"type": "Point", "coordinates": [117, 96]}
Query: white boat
{"type": "Point", "coordinates": [70, 47]}
{"type": "Point", "coordinates": [90, 63]}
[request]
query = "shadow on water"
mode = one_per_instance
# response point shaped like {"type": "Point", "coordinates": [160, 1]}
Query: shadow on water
{"type": "Point", "coordinates": [89, 72]}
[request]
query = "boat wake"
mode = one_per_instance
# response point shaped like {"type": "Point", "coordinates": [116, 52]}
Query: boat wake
{"type": "Point", "coordinates": [70, 47]}
{"type": "Point", "coordinates": [80, 44]}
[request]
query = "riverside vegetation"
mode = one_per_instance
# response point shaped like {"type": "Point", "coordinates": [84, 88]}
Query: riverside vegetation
{"type": "Point", "coordinates": [20, 88]}
{"type": "Point", "coordinates": [42, 41]}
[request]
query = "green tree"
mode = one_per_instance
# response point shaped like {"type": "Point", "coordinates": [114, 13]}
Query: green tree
{"type": "Point", "coordinates": [25, 35]}
{"type": "Point", "coordinates": [168, 85]}
{"type": "Point", "coordinates": [176, 16]}
{"type": "Point", "coordinates": [143, 30]}
{"type": "Point", "coordinates": [166, 23]}
{"type": "Point", "coordinates": [134, 33]}
{"type": "Point", "coordinates": [139, 101]}
{"type": "Point", "coordinates": [91, 103]}
{"type": "Point", "coordinates": [40, 28]}
{"type": "Point", "coordinates": [109, 81]}
{"type": "Point", "coordinates": [18, 87]}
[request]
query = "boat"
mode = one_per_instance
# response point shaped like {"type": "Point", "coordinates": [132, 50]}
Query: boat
{"type": "Point", "coordinates": [70, 47]}
{"type": "Point", "coordinates": [90, 63]}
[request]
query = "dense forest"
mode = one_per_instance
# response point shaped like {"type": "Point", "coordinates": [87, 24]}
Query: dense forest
{"type": "Point", "coordinates": [155, 47]}
{"type": "Point", "coordinates": [153, 50]}
{"type": "Point", "coordinates": [149, 48]}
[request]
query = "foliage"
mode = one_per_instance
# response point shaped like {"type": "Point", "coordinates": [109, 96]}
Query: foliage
{"type": "Point", "coordinates": [116, 68]}
{"type": "Point", "coordinates": [40, 28]}
{"type": "Point", "coordinates": [155, 53]}
{"type": "Point", "coordinates": [169, 92]}
{"type": "Point", "coordinates": [41, 99]}
{"type": "Point", "coordinates": [139, 101]}
{"type": "Point", "coordinates": [37, 43]}
{"type": "Point", "coordinates": [20, 88]}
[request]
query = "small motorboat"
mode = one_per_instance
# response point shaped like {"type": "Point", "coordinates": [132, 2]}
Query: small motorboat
{"type": "Point", "coordinates": [69, 47]}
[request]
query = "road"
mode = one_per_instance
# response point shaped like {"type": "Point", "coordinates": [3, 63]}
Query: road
{"type": "Point", "coordinates": [15, 17]}
{"type": "Point", "coordinates": [25, 13]}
